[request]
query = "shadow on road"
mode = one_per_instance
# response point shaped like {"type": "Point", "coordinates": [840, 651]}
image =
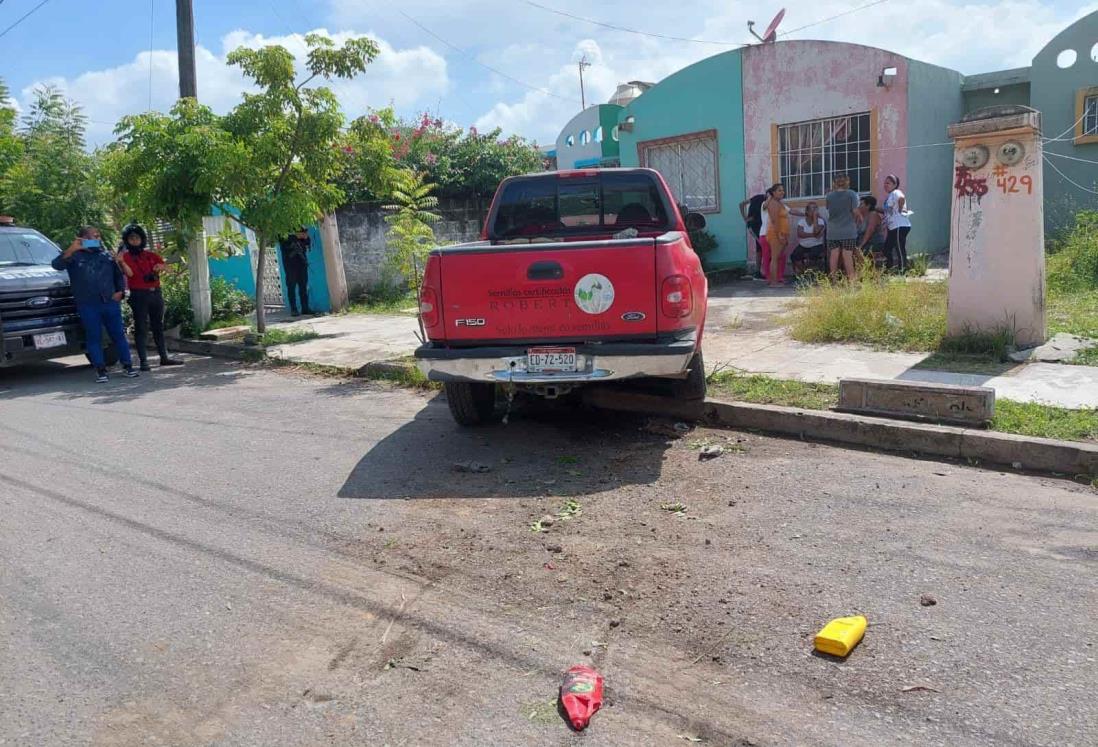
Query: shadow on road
{"type": "Point", "coordinates": [545, 449]}
{"type": "Point", "coordinates": [74, 379]}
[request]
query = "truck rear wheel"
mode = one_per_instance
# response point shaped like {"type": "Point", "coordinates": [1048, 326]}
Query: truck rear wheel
{"type": "Point", "coordinates": [471, 404]}
{"type": "Point", "coordinates": [693, 386]}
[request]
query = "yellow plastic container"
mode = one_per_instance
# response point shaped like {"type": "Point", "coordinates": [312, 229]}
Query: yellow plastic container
{"type": "Point", "coordinates": [840, 636]}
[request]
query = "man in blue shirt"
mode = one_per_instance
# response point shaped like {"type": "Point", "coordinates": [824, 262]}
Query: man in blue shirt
{"type": "Point", "coordinates": [98, 286]}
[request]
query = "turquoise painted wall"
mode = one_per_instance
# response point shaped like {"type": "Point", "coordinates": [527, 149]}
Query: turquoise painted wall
{"type": "Point", "coordinates": [934, 102]}
{"type": "Point", "coordinates": [708, 95]}
{"type": "Point", "coordinates": [319, 300]}
{"type": "Point", "coordinates": [238, 270]}
{"type": "Point", "coordinates": [1016, 93]}
{"type": "Point", "coordinates": [1053, 92]}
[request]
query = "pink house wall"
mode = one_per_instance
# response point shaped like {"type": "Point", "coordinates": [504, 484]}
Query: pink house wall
{"type": "Point", "coordinates": [794, 81]}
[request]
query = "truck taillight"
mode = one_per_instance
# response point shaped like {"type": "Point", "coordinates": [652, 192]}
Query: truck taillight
{"type": "Point", "coordinates": [676, 297]}
{"type": "Point", "coordinates": [428, 307]}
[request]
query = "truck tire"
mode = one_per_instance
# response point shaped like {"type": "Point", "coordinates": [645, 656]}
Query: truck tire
{"type": "Point", "coordinates": [471, 404]}
{"type": "Point", "coordinates": [693, 386]}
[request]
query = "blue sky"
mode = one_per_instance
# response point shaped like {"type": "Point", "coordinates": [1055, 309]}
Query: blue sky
{"type": "Point", "coordinates": [434, 52]}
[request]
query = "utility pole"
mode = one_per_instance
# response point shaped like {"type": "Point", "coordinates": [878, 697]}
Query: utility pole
{"type": "Point", "coordinates": [184, 32]}
{"type": "Point", "coordinates": [583, 63]}
{"type": "Point", "coordinates": [198, 264]}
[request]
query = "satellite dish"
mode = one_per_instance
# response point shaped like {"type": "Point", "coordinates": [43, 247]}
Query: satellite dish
{"type": "Point", "coordinates": [771, 33]}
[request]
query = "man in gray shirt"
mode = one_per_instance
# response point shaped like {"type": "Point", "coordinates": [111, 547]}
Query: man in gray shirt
{"type": "Point", "coordinates": [842, 231]}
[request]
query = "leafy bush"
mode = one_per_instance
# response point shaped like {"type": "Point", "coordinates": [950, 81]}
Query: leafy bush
{"type": "Point", "coordinates": [228, 302]}
{"type": "Point", "coordinates": [463, 163]}
{"type": "Point", "coordinates": [1073, 263]}
{"type": "Point", "coordinates": [703, 241]}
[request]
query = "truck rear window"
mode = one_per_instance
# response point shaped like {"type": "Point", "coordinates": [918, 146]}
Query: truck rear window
{"type": "Point", "coordinates": [554, 206]}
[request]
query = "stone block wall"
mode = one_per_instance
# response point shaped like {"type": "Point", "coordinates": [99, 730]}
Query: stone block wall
{"type": "Point", "coordinates": [362, 230]}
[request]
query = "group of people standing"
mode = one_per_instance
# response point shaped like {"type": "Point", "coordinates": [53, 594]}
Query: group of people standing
{"type": "Point", "coordinates": [100, 281]}
{"type": "Point", "coordinates": [852, 230]}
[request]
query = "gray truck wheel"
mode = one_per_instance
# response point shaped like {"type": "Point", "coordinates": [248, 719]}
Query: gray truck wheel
{"type": "Point", "coordinates": [471, 404]}
{"type": "Point", "coordinates": [693, 386]}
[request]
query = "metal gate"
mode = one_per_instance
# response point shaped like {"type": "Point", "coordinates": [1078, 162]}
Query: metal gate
{"type": "Point", "coordinates": [272, 280]}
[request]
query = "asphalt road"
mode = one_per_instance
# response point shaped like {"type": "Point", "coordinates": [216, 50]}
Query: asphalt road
{"type": "Point", "coordinates": [237, 556]}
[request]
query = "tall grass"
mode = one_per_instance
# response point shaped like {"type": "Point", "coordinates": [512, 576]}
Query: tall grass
{"type": "Point", "coordinates": [878, 310]}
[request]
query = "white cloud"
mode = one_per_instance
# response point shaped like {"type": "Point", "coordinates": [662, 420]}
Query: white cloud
{"type": "Point", "coordinates": [403, 77]}
{"type": "Point", "coordinates": [972, 37]}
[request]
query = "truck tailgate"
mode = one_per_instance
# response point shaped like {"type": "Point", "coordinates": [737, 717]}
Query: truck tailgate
{"type": "Point", "coordinates": [583, 290]}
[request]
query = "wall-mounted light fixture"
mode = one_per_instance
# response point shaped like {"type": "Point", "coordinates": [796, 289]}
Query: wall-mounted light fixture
{"type": "Point", "coordinates": [884, 80]}
{"type": "Point", "coordinates": [628, 124]}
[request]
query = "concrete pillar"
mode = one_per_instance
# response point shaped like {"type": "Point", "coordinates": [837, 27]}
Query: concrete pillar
{"type": "Point", "coordinates": [333, 263]}
{"type": "Point", "coordinates": [198, 267]}
{"type": "Point", "coordinates": [997, 237]}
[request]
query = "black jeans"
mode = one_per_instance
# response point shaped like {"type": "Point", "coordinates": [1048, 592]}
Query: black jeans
{"type": "Point", "coordinates": [297, 280]}
{"type": "Point", "coordinates": [895, 248]}
{"type": "Point", "coordinates": [148, 313]}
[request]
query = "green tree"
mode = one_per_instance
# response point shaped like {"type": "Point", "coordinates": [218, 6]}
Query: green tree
{"type": "Point", "coordinates": [54, 184]}
{"type": "Point", "coordinates": [173, 167]}
{"type": "Point", "coordinates": [291, 140]}
{"type": "Point", "coordinates": [463, 163]}
{"type": "Point", "coordinates": [410, 236]}
{"type": "Point", "coordinates": [10, 145]}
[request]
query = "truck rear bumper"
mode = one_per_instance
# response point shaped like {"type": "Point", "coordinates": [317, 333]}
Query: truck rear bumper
{"type": "Point", "coordinates": [604, 362]}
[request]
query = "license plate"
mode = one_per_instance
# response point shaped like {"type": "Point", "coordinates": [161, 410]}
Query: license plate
{"type": "Point", "coordinates": [551, 360]}
{"type": "Point", "coordinates": [50, 340]}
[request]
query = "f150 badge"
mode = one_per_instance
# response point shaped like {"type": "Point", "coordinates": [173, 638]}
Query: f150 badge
{"type": "Point", "coordinates": [470, 322]}
{"type": "Point", "coordinates": [594, 293]}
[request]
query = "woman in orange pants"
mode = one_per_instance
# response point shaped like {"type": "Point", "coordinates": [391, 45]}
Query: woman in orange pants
{"type": "Point", "coordinates": [777, 234]}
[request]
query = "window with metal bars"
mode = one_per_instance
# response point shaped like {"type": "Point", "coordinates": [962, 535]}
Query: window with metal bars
{"type": "Point", "coordinates": [1090, 115]}
{"type": "Point", "coordinates": [810, 154]}
{"type": "Point", "coordinates": [689, 166]}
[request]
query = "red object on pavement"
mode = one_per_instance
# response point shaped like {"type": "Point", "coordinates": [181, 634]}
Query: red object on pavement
{"type": "Point", "coordinates": [581, 695]}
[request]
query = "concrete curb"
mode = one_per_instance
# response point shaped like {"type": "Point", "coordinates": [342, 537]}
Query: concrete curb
{"type": "Point", "coordinates": [233, 351]}
{"type": "Point", "coordinates": [1020, 452]}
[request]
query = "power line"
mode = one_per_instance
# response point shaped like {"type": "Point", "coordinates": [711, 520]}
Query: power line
{"type": "Point", "coordinates": [669, 37]}
{"type": "Point", "coordinates": [469, 57]}
{"type": "Point", "coordinates": [22, 18]}
{"type": "Point", "coordinates": [1061, 137]}
{"type": "Point", "coordinates": [1068, 179]}
{"type": "Point", "coordinates": [1070, 158]}
{"type": "Point", "coordinates": [629, 30]}
{"type": "Point", "coordinates": [832, 18]}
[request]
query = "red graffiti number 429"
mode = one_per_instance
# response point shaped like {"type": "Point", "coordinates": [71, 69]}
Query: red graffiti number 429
{"type": "Point", "coordinates": [1014, 184]}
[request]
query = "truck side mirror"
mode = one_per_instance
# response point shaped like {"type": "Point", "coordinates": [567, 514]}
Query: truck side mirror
{"type": "Point", "coordinates": [695, 221]}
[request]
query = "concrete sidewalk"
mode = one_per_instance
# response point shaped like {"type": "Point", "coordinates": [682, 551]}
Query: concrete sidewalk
{"type": "Point", "coordinates": [743, 332]}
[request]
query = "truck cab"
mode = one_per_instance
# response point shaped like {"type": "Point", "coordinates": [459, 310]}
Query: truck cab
{"type": "Point", "coordinates": [580, 277]}
{"type": "Point", "coordinates": [38, 318]}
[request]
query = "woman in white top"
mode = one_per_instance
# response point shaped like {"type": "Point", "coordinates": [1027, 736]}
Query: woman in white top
{"type": "Point", "coordinates": [810, 236]}
{"type": "Point", "coordinates": [897, 223]}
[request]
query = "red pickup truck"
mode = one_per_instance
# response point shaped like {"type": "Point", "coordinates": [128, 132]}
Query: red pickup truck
{"type": "Point", "coordinates": [579, 277]}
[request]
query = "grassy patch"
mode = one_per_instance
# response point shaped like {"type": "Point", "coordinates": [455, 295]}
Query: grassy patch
{"type": "Point", "coordinates": [1023, 418]}
{"type": "Point", "coordinates": [1030, 419]}
{"type": "Point", "coordinates": [1088, 357]}
{"type": "Point", "coordinates": [1074, 312]}
{"type": "Point", "coordinates": [384, 301]}
{"type": "Point", "coordinates": [281, 336]}
{"type": "Point", "coordinates": [765, 390]}
{"type": "Point", "coordinates": [231, 321]}
{"type": "Point", "coordinates": [884, 312]}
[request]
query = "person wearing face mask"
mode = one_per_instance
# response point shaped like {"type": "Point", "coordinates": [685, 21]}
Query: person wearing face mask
{"type": "Point", "coordinates": [98, 286]}
{"type": "Point", "coordinates": [142, 268]}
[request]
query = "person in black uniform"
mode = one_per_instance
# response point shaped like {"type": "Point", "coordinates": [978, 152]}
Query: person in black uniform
{"type": "Point", "coordinates": [295, 261]}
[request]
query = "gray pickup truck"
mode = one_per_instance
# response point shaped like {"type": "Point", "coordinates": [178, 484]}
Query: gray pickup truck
{"type": "Point", "coordinates": [38, 319]}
